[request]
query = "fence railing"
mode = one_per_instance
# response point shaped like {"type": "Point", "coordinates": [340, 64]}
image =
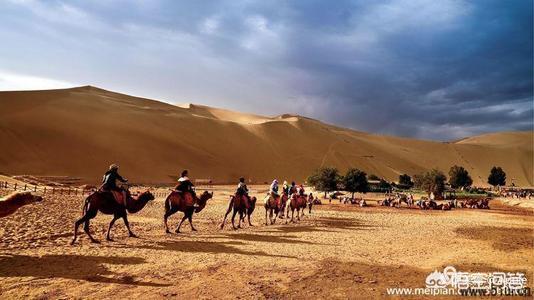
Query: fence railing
{"type": "Point", "coordinates": [51, 190]}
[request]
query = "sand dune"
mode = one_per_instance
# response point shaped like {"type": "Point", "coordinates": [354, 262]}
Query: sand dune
{"type": "Point", "coordinates": [80, 131]}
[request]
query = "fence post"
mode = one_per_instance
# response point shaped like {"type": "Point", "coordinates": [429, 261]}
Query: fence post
{"type": "Point", "coordinates": [44, 192]}
{"type": "Point", "coordinates": [15, 186]}
{"type": "Point", "coordinates": [53, 190]}
{"type": "Point", "coordinates": [25, 185]}
{"type": "Point", "coordinates": [35, 188]}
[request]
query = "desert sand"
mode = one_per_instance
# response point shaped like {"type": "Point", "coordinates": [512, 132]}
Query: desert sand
{"type": "Point", "coordinates": [80, 131]}
{"type": "Point", "coordinates": [339, 251]}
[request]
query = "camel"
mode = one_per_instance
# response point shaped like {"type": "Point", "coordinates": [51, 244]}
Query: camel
{"type": "Point", "coordinates": [238, 205]}
{"type": "Point", "coordinates": [297, 203]}
{"type": "Point", "coordinates": [474, 203]}
{"type": "Point", "coordinates": [105, 203]}
{"type": "Point", "coordinates": [283, 204]}
{"type": "Point", "coordinates": [272, 206]}
{"type": "Point", "coordinates": [14, 201]}
{"type": "Point", "coordinates": [186, 203]}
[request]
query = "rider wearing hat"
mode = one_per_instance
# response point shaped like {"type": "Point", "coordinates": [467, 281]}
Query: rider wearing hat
{"type": "Point", "coordinates": [109, 183]}
{"type": "Point", "coordinates": [185, 184]}
{"type": "Point", "coordinates": [242, 191]}
{"type": "Point", "coordinates": [274, 189]}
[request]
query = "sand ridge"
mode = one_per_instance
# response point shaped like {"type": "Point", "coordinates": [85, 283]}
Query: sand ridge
{"type": "Point", "coordinates": [80, 131]}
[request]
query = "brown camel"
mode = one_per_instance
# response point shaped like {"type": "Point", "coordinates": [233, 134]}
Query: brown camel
{"type": "Point", "coordinates": [14, 201]}
{"type": "Point", "coordinates": [283, 204]}
{"type": "Point", "coordinates": [186, 203]}
{"type": "Point", "coordinates": [237, 203]}
{"type": "Point", "coordinates": [105, 203]}
{"type": "Point", "coordinates": [297, 203]}
{"type": "Point", "coordinates": [272, 207]}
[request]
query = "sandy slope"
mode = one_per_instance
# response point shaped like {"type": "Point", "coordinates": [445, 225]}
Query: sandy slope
{"type": "Point", "coordinates": [338, 252]}
{"type": "Point", "coordinates": [80, 131]}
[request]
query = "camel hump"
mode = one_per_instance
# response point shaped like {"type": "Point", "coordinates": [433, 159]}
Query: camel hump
{"type": "Point", "coordinates": [182, 198]}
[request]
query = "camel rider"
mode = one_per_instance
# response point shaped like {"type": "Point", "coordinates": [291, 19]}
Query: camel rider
{"type": "Point", "coordinates": [242, 191]}
{"type": "Point", "coordinates": [292, 188]}
{"type": "Point", "coordinates": [285, 188]}
{"type": "Point", "coordinates": [109, 184]}
{"type": "Point", "coordinates": [274, 189]}
{"type": "Point", "coordinates": [185, 184]}
{"type": "Point", "coordinates": [300, 190]}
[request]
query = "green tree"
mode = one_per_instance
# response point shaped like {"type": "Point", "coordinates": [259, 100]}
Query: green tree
{"type": "Point", "coordinates": [459, 177]}
{"type": "Point", "coordinates": [355, 181]}
{"type": "Point", "coordinates": [324, 179]}
{"type": "Point", "coordinates": [497, 177]}
{"type": "Point", "coordinates": [432, 181]}
{"type": "Point", "coordinates": [405, 181]}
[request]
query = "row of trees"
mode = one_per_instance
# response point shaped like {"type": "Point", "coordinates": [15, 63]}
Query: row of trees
{"type": "Point", "coordinates": [329, 179]}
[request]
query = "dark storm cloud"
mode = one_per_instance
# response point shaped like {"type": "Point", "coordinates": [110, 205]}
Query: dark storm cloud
{"type": "Point", "coordinates": [432, 69]}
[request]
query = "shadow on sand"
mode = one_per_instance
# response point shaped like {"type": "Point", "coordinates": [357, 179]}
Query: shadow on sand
{"type": "Point", "coordinates": [252, 237]}
{"type": "Point", "coordinates": [326, 224]}
{"type": "Point", "coordinates": [78, 267]}
{"type": "Point", "coordinates": [217, 247]}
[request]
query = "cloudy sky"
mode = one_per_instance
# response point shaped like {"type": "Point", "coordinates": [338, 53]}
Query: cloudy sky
{"type": "Point", "coordinates": [420, 68]}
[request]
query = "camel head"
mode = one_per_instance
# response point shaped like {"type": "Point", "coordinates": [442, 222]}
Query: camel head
{"type": "Point", "coordinates": [202, 201]}
{"type": "Point", "coordinates": [146, 196]}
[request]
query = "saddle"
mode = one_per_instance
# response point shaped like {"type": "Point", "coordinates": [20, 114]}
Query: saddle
{"type": "Point", "coordinates": [272, 200]}
{"type": "Point", "coordinates": [187, 197]}
{"type": "Point", "coordinates": [117, 195]}
{"type": "Point", "coordinates": [241, 199]}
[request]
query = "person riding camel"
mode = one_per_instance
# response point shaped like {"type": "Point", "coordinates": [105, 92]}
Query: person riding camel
{"type": "Point", "coordinates": [185, 185]}
{"type": "Point", "coordinates": [242, 191]}
{"type": "Point", "coordinates": [300, 190]}
{"type": "Point", "coordinates": [109, 184]}
{"type": "Point", "coordinates": [285, 188]}
{"type": "Point", "coordinates": [292, 188]}
{"type": "Point", "coordinates": [274, 189]}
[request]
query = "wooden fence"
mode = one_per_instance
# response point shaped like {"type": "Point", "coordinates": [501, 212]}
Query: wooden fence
{"type": "Point", "coordinates": [49, 190]}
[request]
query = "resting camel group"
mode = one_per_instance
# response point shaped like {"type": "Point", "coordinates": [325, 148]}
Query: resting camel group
{"type": "Point", "coordinates": [429, 204]}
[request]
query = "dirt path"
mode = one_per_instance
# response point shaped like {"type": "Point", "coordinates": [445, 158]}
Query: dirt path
{"type": "Point", "coordinates": [337, 252]}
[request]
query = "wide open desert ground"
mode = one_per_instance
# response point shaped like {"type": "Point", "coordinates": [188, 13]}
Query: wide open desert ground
{"type": "Point", "coordinates": [339, 251]}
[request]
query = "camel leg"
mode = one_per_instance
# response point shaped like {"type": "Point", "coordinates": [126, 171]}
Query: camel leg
{"type": "Point", "coordinates": [266, 209]}
{"type": "Point", "coordinates": [274, 221]}
{"type": "Point", "coordinates": [227, 213]}
{"type": "Point", "coordinates": [180, 224]}
{"type": "Point", "coordinates": [76, 226]}
{"type": "Point", "coordinates": [169, 213]}
{"type": "Point", "coordinates": [233, 219]}
{"type": "Point", "coordinates": [190, 218]}
{"type": "Point", "coordinates": [125, 218]}
{"type": "Point", "coordinates": [86, 229]}
{"type": "Point", "coordinates": [292, 214]}
{"type": "Point", "coordinates": [115, 218]}
{"type": "Point", "coordinates": [241, 218]}
{"type": "Point", "coordinates": [249, 223]}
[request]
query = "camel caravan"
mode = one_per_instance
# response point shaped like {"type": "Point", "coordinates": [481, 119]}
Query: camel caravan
{"type": "Point", "coordinates": [290, 203]}
{"type": "Point", "coordinates": [112, 199]}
